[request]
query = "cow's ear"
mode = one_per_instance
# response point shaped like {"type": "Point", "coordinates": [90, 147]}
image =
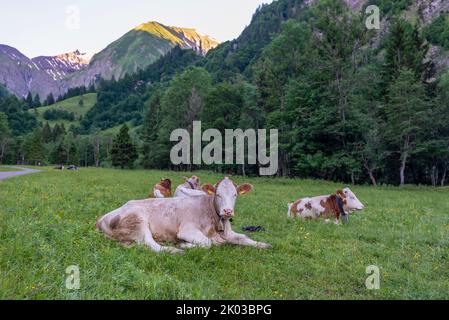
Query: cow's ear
{"type": "Point", "coordinates": [244, 189]}
{"type": "Point", "coordinates": [341, 194]}
{"type": "Point", "coordinates": [208, 188]}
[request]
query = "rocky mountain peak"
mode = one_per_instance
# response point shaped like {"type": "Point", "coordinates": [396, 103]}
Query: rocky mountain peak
{"type": "Point", "coordinates": [75, 57]}
{"type": "Point", "coordinates": [59, 66]}
{"type": "Point", "coordinates": [188, 38]}
{"type": "Point", "coordinates": [199, 42]}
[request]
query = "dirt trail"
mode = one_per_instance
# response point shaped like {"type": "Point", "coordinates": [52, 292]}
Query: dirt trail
{"type": "Point", "coordinates": [20, 172]}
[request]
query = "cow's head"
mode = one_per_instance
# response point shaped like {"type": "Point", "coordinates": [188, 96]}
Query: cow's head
{"type": "Point", "coordinates": [351, 202]}
{"type": "Point", "coordinates": [194, 182]}
{"type": "Point", "coordinates": [166, 183]}
{"type": "Point", "coordinates": [226, 193]}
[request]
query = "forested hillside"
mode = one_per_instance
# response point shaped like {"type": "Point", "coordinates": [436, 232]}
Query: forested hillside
{"type": "Point", "coordinates": [237, 56]}
{"type": "Point", "coordinates": [351, 104]}
{"type": "Point", "coordinates": [122, 101]}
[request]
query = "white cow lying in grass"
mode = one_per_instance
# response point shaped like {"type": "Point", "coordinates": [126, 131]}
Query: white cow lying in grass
{"type": "Point", "coordinates": [200, 221]}
{"type": "Point", "coordinates": [338, 206]}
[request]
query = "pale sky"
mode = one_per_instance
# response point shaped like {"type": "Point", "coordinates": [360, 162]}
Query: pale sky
{"type": "Point", "coordinates": [50, 27]}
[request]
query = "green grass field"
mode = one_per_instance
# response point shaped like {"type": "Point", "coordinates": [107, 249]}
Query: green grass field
{"type": "Point", "coordinates": [47, 224]}
{"type": "Point", "coordinates": [70, 105]}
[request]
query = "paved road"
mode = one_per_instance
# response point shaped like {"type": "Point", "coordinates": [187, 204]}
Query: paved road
{"type": "Point", "coordinates": [23, 171]}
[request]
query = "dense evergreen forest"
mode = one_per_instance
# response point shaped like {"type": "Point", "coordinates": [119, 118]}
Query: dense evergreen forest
{"type": "Point", "coordinates": [351, 104]}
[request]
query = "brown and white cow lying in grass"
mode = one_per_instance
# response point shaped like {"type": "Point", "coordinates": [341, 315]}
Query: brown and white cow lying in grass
{"type": "Point", "coordinates": [190, 188]}
{"type": "Point", "coordinates": [200, 221]}
{"type": "Point", "coordinates": [337, 206]}
{"type": "Point", "coordinates": [162, 189]}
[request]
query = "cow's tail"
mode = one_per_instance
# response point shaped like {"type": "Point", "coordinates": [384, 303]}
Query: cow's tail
{"type": "Point", "coordinates": [290, 206]}
{"type": "Point", "coordinates": [107, 228]}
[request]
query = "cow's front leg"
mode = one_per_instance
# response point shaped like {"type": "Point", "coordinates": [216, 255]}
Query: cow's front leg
{"type": "Point", "coordinates": [242, 240]}
{"type": "Point", "coordinates": [194, 238]}
{"type": "Point", "coordinates": [187, 245]}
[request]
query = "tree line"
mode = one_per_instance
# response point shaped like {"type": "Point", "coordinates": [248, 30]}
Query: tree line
{"type": "Point", "coordinates": [56, 145]}
{"type": "Point", "coordinates": [33, 102]}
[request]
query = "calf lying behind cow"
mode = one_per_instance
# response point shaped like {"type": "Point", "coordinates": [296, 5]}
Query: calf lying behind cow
{"type": "Point", "coordinates": [337, 206]}
{"type": "Point", "coordinates": [198, 221]}
{"type": "Point", "coordinates": [162, 189]}
{"type": "Point", "coordinates": [191, 187]}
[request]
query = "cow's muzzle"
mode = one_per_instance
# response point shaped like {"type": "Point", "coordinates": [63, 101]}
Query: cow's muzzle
{"type": "Point", "coordinates": [228, 213]}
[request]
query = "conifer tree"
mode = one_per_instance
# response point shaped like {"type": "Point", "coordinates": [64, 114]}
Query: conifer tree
{"type": "Point", "coordinates": [5, 135]}
{"type": "Point", "coordinates": [37, 101]}
{"type": "Point", "coordinates": [50, 99]}
{"type": "Point", "coordinates": [123, 152]}
{"type": "Point", "coordinates": [150, 129]}
{"type": "Point", "coordinates": [406, 113]}
{"type": "Point", "coordinates": [46, 133]}
{"type": "Point", "coordinates": [29, 100]}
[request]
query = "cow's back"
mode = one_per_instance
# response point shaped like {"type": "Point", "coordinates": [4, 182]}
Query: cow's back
{"type": "Point", "coordinates": [308, 208]}
{"type": "Point", "coordinates": [163, 216]}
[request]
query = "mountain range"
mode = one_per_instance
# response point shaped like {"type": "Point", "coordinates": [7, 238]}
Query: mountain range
{"type": "Point", "coordinates": [134, 51]}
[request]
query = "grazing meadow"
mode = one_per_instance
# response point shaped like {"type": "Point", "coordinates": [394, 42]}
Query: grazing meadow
{"type": "Point", "coordinates": [47, 224]}
{"type": "Point", "coordinates": [68, 105]}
